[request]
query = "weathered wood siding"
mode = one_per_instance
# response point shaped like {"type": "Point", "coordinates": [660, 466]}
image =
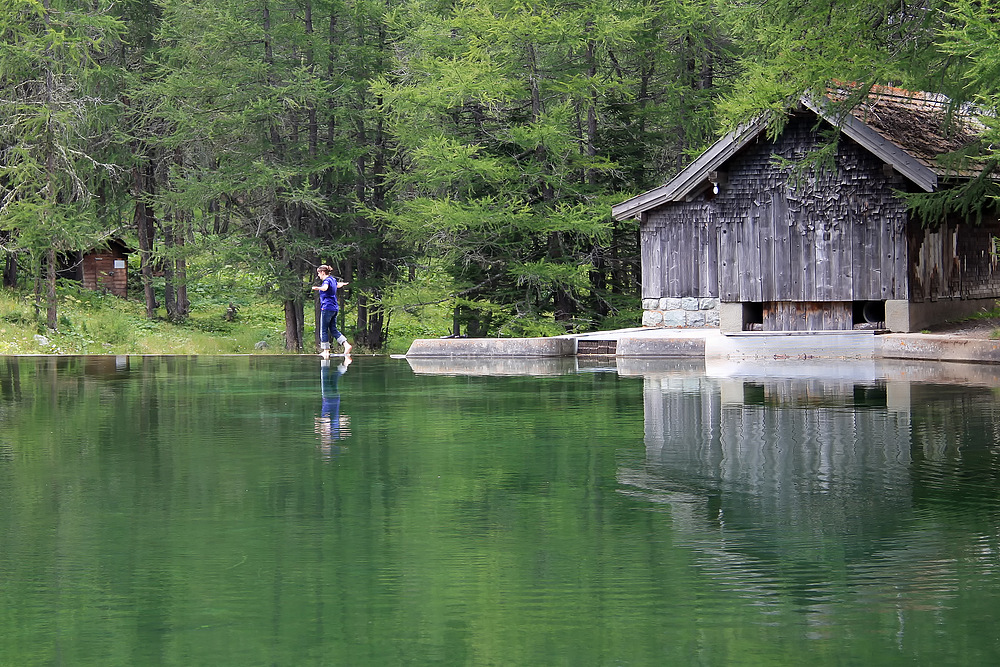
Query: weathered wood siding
{"type": "Point", "coordinates": [832, 237]}
{"type": "Point", "coordinates": [807, 316]}
{"type": "Point", "coordinates": [807, 248]}
{"type": "Point", "coordinates": [838, 235]}
{"type": "Point", "coordinates": [680, 252]}
{"type": "Point", "coordinates": [954, 261]}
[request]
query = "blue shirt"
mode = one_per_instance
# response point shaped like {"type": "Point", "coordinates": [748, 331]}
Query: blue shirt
{"type": "Point", "coordinates": [328, 297]}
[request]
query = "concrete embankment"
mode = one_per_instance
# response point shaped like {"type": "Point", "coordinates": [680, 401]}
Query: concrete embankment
{"type": "Point", "coordinates": [652, 343]}
{"type": "Point", "coordinates": [558, 346]}
{"type": "Point", "coordinates": [929, 347]}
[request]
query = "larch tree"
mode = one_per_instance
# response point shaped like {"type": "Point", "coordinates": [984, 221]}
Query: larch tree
{"type": "Point", "coordinates": [353, 47]}
{"type": "Point", "coordinates": [510, 118]}
{"type": "Point", "coordinates": [234, 93]}
{"type": "Point", "coordinates": [51, 77]}
{"type": "Point", "coordinates": [791, 48]}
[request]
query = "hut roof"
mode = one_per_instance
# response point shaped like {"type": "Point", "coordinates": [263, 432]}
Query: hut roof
{"type": "Point", "coordinates": [925, 125]}
{"type": "Point", "coordinates": [113, 244]}
{"type": "Point", "coordinates": [908, 130]}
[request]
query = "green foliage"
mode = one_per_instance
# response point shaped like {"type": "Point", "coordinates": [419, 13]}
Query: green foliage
{"type": "Point", "coordinates": [457, 162]}
{"type": "Point", "coordinates": [491, 136]}
{"type": "Point", "coordinates": [942, 46]}
{"type": "Point", "coordinates": [508, 116]}
{"type": "Point", "coordinates": [51, 75]}
{"type": "Point", "coordinates": [987, 314]}
{"type": "Point", "coordinates": [791, 48]}
{"type": "Point", "coordinates": [971, 34]}
{"type": "Point", "coordinates": [96, 323]}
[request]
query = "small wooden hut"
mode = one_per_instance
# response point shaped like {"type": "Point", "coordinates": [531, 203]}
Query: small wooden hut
{"type": "Point", "coordinates": [106, 268]}
{"type": "Point", "coordinates": [742, 240]}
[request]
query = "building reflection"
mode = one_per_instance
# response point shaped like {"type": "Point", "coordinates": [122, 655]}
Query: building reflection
{"type": "Point", "coordinates": [801, 453]}
{"type": "Point", "coordinates": [797, 482]}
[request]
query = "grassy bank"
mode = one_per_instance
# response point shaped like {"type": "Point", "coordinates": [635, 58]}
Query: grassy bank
{"type": "Point", "coordinates": [95, 323]}
{"type": "Point", "coordinates": [233, 311]}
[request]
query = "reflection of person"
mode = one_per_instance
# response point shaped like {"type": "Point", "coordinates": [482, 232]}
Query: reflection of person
{"type": "Point", "coordinates": [331, 426]}
{"type": "Point", "coordinates": [328, 312]}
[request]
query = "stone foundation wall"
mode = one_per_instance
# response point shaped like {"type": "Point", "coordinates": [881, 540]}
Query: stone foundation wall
{"type": "Point", "coordinates": [684, 313]}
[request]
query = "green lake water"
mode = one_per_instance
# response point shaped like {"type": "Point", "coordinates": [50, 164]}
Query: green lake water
{"type": "Point", "coordinates": [273, 511]}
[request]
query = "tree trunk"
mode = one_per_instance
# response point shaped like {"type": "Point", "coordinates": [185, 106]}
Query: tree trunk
{"type": "Point", "coordinates": [371, 325]}
{"type": "Point", "coordinates": [50, 177]}
{"type": "Point", "coordinates": [177, 304]}
{"type": "Point", "coordinates": [10, 271]}
{"type": "Point", "coordinates": [36, 273]}
{"type": "Point", "coordinates": [599, 281]}
{"type": "Point", "coordinates": [361, 327]}
{"type": "Point", "coordinates": [50, 297]}
{"type": "Point", "coordinates": [169, 295]}
{"type": "Point", "coordinates": [180, 275]}
{"type": "Point", "coordinates": [592, 107]}
{"type": "Point", "coordinates": [316, 316]}
{"type": "Point", "coordinates": [293, 324]}
{"type": "Point", "coordinates": [143, 224]}
{"type": "Point", "coordinates": [562, 301]}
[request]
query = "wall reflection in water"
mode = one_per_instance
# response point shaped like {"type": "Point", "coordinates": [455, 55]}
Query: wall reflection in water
{"type": "Point", "coordinates": [816, 482]}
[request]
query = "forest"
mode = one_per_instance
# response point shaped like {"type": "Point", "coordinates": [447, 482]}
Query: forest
{"type": "Point", "coordinates": [460, 155]}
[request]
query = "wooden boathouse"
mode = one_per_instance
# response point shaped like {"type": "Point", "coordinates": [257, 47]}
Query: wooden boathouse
{"type": "Point", "coordinates": [744, 240]}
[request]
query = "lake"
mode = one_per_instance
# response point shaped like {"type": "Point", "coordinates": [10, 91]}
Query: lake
{"type": "Point", "coordinates": [276, 510]}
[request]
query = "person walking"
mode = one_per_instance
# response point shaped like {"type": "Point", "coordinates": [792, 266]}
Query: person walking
{"type": "Point", "coordinates": [328, 312]}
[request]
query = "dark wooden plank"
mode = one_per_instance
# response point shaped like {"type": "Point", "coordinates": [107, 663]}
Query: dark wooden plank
{"type": "Point", "coordinates": [693, 257]}
{"type": "Point", "coordinates": [841, 256]}
{"type": "Point", "coordinates": [894, 279]}
{"type": "Point", "coordinates": [781, 234]}
{"type": "Point", "coordinates": [750, 269]}
{"type": "Point", "coordinates": [668, 250]}
{"type": "Point", "coordinates": [801, 258]}
{"type": "Point", "coordinates": [795, 239]}
{"type": "Point", "coordinates": [710, 275]}
{"type": "Point", "coordinates": [764, 221]}
{"type": "Point", "coordinates": [729, 266]}
{"type": "Point", "coordinates": [865, 255]}
{"type": "Point", "coordinates": [843, 315]}
{"type": "Point", "coordinates": [685, 258]}
{"type": "Point", "coordinates": [648, 247]}
{"type": "Point", "coordinates": [770, 320]}
{"type": "Point", "coordinates": [659, 279]}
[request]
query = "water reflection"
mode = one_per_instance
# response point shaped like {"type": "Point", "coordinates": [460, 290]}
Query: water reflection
{"type": "Point", "coordinates": [812, 484]}
{"type": "Point", "coordinates": [331, 426]}
{"type": "Point", "coordinates": [642, 512]}
{"type": "Point", "coordinates": [493, 366]}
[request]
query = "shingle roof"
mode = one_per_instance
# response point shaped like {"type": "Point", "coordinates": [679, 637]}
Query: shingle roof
{"type": "Point", "coordinates": [925, 125]}
{"type": "Point", "coordinates": [908, 130]}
